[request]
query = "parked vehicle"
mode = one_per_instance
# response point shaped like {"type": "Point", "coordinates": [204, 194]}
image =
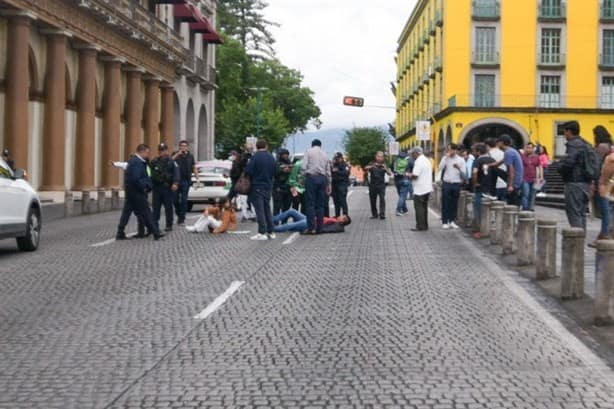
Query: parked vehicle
{"type": "Point", "coordinates": [213, 182]}
{"type": "Point", "coordinates": [20, 209]}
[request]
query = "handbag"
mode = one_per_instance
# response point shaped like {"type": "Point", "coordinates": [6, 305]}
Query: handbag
{"type": "Point", "coordinates": [243, 185]}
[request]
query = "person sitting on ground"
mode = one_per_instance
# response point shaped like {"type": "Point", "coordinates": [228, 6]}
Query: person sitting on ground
{"type": "Point", "coordinates": [299, 222]}
{"type": "Point", "coordinates": [217, 219]}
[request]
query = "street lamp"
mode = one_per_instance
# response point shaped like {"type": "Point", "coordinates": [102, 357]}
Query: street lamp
{"type": "Point", "coordinates": [259, 90]}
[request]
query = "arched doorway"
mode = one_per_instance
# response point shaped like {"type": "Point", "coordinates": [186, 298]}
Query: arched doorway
{"type": "Point", "coordinates": [177, 113]}
{"type": "Point", "coordinates": [479, 131]}
{"type": "Point", "coordinates": [203, 140]}
{"type": "Point", "coordinates": [189, 123]}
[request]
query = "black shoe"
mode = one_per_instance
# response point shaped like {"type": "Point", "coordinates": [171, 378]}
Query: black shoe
{"type": "Point", "coordinates": [308, 232]}
{"type": "Point", "coordinates": [373, 217]}
{"type": "Point", "coordinates": [382, 217]}
{"type": "Point", "coordinates": [158, 236]}
{"type": "Point", "coordinates": [140, 236]}
{"type": "Point", "coordinates": [419, 229]}
{"type": "Point", "coordinates": [168, 229]}
{"type": "Point", "coordinates": [180, 222]}
{"type": "Point", "coordinates": [121, 236]}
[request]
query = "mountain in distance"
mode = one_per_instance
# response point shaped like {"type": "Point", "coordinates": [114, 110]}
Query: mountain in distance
{"type": "Point", "coordinates": [332, 141]}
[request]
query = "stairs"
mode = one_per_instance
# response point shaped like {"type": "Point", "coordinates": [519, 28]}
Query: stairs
{"type": "Point", "coordinates": [554, 188]}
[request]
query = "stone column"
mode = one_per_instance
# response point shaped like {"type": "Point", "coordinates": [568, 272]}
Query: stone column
{"type": "Point", "coordinates": [526, 238]}
{"type": "Point", "coordinates": [604, 282]}
{"type": "Point", "coordinates": [54, 136]}
{"type": "Point", "coordinates": [462, 208]}
{"type": "Point", "coordinates": [509, 229]}
{"type": "Point", "coordinates": [496, 210]}
{"type": "Point", "coordinates": [134, 111]}
{"type": "Point", "coordinates": [545, 266]}
{"type": "Point", "coordinates": [572, 272]}
{"type": "Point", "coordinates": [469, 210]}
{"type": "Point", "coordinates": [167, 131]}
{"type": "Point", "coordinates": [17, 82]}
{"type": "Point", "coordinates": [485, 218]}
{"type": "Point", "coordinates": [86, 119]}
{"type": "Point", "coordinates": [111, 127]}
{"type": "Point", "coordinates": [152, 112]}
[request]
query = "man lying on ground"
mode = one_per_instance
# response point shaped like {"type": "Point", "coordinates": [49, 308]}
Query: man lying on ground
{"type": "Point", "coordinates": [299, 222]}
{"type": "Point", "coordinates": [217, 219]}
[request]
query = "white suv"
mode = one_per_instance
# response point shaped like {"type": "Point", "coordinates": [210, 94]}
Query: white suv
{"type": "Point", "coordinates": [20, 209]}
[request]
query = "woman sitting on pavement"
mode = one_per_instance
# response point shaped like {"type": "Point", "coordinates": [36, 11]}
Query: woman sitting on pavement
{"type": "Point", "coordinates": [299, 222]}
{"type": "Point", "coordinates": [217, 219]}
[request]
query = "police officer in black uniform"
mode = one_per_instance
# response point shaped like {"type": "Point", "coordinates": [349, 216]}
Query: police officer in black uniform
{"type": "Point", "coordinates": [137, 186]}
{"type": "Point", "coordinates": [282, 197]}
{"type": "Point", "coordinates": [165, 178]}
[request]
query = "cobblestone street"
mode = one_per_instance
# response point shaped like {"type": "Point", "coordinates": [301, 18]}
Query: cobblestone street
{"type": "Point", "coordinates": [376, 317]}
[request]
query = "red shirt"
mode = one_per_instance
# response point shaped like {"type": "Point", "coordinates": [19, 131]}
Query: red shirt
{"type": "Point", "coordinates": [330, 220]}
{"type": "Point", "coordinates": [531, 163]}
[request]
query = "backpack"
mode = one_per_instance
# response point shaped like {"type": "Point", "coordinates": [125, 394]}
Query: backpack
{"type": "Point", "coordinates": [591, 162]}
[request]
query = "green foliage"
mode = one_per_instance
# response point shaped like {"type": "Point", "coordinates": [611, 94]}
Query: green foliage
{"type": "Point", "coordinates": [244, 21]}
{"type": "Point", "coordinates": [361, 144]}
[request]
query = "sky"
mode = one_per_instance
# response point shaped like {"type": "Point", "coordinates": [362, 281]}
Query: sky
{"type": "Point", "coordinates": [343, 47]}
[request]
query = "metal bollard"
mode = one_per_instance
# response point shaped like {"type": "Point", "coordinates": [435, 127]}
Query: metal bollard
{"type": "Point", "coordinates": [114, 199]}
{"type": "Point", "coordinates": [508, 235]}
{"type": "Point", "coordinates": [604, 282]}
{"type": "Point", "coordinates": [469, 210]}
{"type": "Point", "coordinates": [101, 200]}
{"type": "Point", "coordinates": [462, 208]}
{"type": "Point", "coordinates": [526, 239]}
{"type": "Point", "coordinates": [572, 271]}
{"type": "Point", "coordinates": [69, 209]}
{"type": "Point", "coordinates": [85, 202]}
{"type": "Point", "coordinates": [545, 264]}
{"type": "Point", "coordinates": [496, 210]}
{"type": "Point", "coordinates": [485, 218]}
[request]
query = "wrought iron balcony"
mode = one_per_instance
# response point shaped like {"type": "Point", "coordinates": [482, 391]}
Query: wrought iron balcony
{"type": "Point", "coordinates": [486, 10]}
{"type": "Point", "coordinates": [438, 17]}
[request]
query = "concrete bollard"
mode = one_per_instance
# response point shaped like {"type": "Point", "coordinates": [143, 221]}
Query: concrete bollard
{"type": "Point", "coordinates": [101, 201]}
{"type": "Point", "coordinates": [469, 210]}
{"type": "Point", "coordinates": [526, 239]}
{"type": "Point", "coordinates": [508, 232]}
{"type": "Point", "coordinates": [438, 197]}
{"type": "Point", "coordinates": [496, 215]}
{"type": "Point", "coordinates": [545, 264]}
{"type": "Point", "coordinates": [604, 282]}
{"type": "Point", "coordinates": [85, 202]}
{"type": "Point", "coordinates": [462, 208]}
{"type": "Point", "coordinates": [572, 271]}
{"type": "Point", "coordinates": [69, 204]}
{"type": "Point", "coordinates": [114, 199]}
{"type": "Point", "coordinates": [485, 220]}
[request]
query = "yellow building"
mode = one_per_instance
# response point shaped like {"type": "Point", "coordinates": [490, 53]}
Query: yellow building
{"type": "Point", "coordinates": [523, 67]}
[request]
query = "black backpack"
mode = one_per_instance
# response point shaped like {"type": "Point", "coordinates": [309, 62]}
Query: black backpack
{"type": "Point", "coordinates": [592, 163]}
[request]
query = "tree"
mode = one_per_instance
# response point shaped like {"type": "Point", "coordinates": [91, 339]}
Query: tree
{"type": "Point", "coordinates": [361, 144]}
{"type": "Point", "coordinates": [243, 20]}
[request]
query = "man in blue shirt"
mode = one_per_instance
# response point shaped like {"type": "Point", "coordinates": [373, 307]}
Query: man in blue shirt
{"type": "Point", "coordinates": [515, 170]}
{"type": "Point", "coordinates": [262, 169]}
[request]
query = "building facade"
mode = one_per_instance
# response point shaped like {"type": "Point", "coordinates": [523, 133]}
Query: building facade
{"type": "Point", "coordinates": [482, 68]}
{"type": "Point", "coordinates": [85, 81]}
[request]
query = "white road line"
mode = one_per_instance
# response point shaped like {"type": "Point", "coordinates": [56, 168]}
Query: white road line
{"type": "Point", "coordinates": [240, 232]}
{"type": "Point", "coordinates": [107, 242]}
{"type": "Point", "coordinates": [290, 239]}
{"type": "Point", "coordinates": [219, 301]}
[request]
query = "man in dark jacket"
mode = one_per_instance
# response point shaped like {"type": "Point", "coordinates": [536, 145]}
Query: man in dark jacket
{"type": "Point", "coordinates": [577, 184]}
{"type": "Point", "coordinates": [261, 169]}
{"type": "Point", "coordinates": [165, 178]}
{"type": "Point", "coordinates": [340, 172]}
{"type": "Point", "coordinates": [282, 197]}
{"type": "Point", "coordinates": [137, 185]}
{"type": "Point", "coordinates": [377, 185]}
{"type": "Point", "coordinates": [187, 166]}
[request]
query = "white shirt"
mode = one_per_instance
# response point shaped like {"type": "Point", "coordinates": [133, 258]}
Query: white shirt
{"type": "Point", "coordinates": [423, 184]}
{"type": "Point", "coordinates": [453, 174]}
{"type": "Point", "coordinates": [497, 154]}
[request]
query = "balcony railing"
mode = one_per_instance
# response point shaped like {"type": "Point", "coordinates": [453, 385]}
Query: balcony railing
{"type": "Point", "coordinates": [607, 11]}
{"type": "Point", "coordinates": [551, 59]}
{"type": "Point", "coordinates": [438, 65]}
{"type": "Point", "coordinates": [438, 18]}
{"type": "Point", "coordinates": [551, 11]}
{"type": "Point", "coordinates": [606, 60]}
{"type": "Point", "coordinates": [485, 58]}
{"type": "Point", "coordinates": [486, 10]}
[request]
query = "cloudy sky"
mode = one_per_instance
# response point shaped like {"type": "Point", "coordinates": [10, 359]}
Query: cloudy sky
{"type": "Point", "coordinates": [343, 47]}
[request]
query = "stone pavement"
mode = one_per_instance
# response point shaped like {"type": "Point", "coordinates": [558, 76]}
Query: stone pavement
{"type": "Point", "coordinates": [377, 317]}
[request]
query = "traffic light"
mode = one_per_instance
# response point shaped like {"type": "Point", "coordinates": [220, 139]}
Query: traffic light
{"type": "Point", "coordinates": [354, 101]}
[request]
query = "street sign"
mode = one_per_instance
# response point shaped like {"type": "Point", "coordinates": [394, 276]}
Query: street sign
{"type": "Point", "coordinates": [423, 130]}
{"type": "Point", "coordinates": [251, 140]}
{"type": "Point", "coordinates": [394, 148]}
{"type": "Point", "coordinates": [354, 101]}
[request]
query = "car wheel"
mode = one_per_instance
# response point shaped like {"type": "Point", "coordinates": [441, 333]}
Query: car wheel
{"type": "Point", "coordinates": [190, 206]}
{"type": "Point", "coordinates": [33, 230]}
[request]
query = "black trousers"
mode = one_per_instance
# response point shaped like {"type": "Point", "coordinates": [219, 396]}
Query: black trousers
{"type": "Point", "coordinates": [137, 203]}
{"type": "Point", "coordinates": [449, 201]}
{"type": "Point", "coordinates": [421, 205]}
{"type": "Point", "coordinates": [163, 196]}
{"type": "Point", "coordinates": [340, 193]}
{"type": "Point", "coordinates": [125, 218]}
{"type": "Point", "coordinates": [282, 200]}
{"type": "Point", "coordinates": [376, 191]}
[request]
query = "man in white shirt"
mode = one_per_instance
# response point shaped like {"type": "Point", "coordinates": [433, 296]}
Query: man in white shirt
{"type": "Point", "coordinates": [497, 154]}
{"type": "Point", "coordinates": [422, 177]}
{"type": "Point", "coordinates": [454, 173]}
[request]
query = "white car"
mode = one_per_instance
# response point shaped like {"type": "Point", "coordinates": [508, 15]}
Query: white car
{"type": "Point", "coordinates": [213, 182]}
{"type": "Point", "coordinates": [20, 209]}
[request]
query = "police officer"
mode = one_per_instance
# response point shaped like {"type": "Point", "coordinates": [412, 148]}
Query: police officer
{"type": "Point", "coordinates": [340, 172]}
{"type": "Point", "coordinates": [137, 185]}
{"type": "Point", "coordinates": [165, 178]}
{"type": "Point", "coordinates": [282, 197]}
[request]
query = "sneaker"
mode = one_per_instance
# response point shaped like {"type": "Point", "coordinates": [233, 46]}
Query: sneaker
{"type": "Point", "coordinates": [446, 226]}
{"type": "Point", "coordinates": [259, 237]}
{"type": "Point", "coordinates": [168, 229]}
{"type": "Point", "coordinates": [400, 214]}
{"type": "Point", "coordinates": [272, 236]}
{"type": "Point", "coordinates": [454, 226]}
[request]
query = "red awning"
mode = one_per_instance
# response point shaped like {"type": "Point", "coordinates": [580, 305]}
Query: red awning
{"type": "Point", "coordinates": [203, 26]}
{"type": "Point", "coordinates": [185, 13]}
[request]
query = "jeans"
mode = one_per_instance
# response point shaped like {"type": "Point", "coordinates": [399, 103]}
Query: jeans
{"type": "Point", "coordinates": [528, 196]}
{"type": "Point", "coordinates": [340, 193]}
{"type": "Point", "coordinates": [449, 202]}
{"type": "Point", "coordinates": [299, 221]}
{"type": "Point", "coordinates": [315, 201]}
{"type": "Point", "coordinates": [502, 194]}
{"type": "Point", "coordinates": [606, 213]}
{"type": "Point", "coordinates": [421, 204]}
{"type": "Point", "coordinates": [376, 191]}
{"type": "Point", "coordinates": [403, 187]}
{"type": "Point", "coordinates": [576, 203]}
{"type": "Point", "coordinates": [181, 200]}
{"type": "Point", "coordinates": [261, 200]}
{"type": "Point", "coordinates": [163, 196]}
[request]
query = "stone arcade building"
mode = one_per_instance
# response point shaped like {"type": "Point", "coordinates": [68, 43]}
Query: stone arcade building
{"type": "Point", "coordinates": [84, 81]}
